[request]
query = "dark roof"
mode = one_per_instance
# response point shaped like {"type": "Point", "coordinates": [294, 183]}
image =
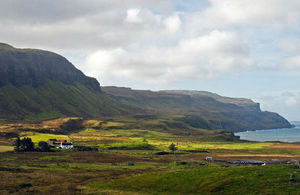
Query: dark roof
{"type": "Point", "coordinates": [67, 144]}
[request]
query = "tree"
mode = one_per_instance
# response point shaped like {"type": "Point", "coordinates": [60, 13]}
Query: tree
{"type": "Point", "coordinates": [24, 145]}
{"type": "Point", "coordinates": [44, 147]}
{"type": "Point", "coordinates": [17, 144]}
{"type": "Point", "coordinates": [27, 144]}
{"type": "Point", "coordinates": [173, 148]}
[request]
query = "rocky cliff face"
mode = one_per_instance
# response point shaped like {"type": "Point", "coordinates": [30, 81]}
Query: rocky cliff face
{"type": "Point", "coordinates": [33, 67]}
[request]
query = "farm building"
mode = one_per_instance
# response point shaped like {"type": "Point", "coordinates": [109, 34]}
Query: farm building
{"type": "Point", "coordinates": [208, 158]}
{"type": "Point", "coordinates": [61, 144]}
{"type": "Point", "coordinates": [65, 145]}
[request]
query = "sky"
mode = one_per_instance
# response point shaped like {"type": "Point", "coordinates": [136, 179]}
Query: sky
{"type": "Point", "coordinates": [236, 48]}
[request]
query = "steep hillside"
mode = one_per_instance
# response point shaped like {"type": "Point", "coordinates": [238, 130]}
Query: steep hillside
{"type": "Point", "coordinates": [202, 109]}
{"type": "Point", "coordinates": [36, 84]}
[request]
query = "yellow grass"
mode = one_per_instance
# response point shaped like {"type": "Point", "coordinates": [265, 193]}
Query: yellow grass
{"type": "Point", "coordinates": [37, 137]}
{"type": "Point", "coordinates": [6, 148]}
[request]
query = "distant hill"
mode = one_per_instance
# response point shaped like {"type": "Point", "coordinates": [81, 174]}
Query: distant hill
{"type": "Point", "coordinates": [36, 84]}
{"type": "Point", "coordinates": [202, 109]}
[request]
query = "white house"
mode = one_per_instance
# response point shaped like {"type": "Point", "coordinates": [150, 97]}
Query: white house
{"type": "Point", "coordinates": [208, 158]}
{"type": "Point", "coordinates": [66, 145]}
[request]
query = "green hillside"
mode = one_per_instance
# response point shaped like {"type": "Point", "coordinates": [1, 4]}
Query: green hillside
{"type": "Point", "coordinates": [54, 99]}
{"type": "Point", "coordinates": [36, 85]}
{"type": "Point", "coordinates": [201, 109]}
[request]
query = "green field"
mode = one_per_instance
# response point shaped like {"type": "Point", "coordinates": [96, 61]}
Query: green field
{"type": "Point", "coordinates": [132, 160]}
{"type": "Point", "coordinates": [37, 137]}
{"type": "Point", "coordinates": [210, 180]}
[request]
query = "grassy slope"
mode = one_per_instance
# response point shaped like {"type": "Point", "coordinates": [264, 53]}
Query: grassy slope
{"type": "Point", "coordinates": [203, 110]}
{"type": "Point", "coordinates": [53, 100]}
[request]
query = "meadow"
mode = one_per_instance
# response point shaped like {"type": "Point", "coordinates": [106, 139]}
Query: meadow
{"type": "Point", "coordinates": [133, 157]}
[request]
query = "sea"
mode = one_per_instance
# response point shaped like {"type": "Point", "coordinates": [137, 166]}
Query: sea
{"type": "Point", "coordinates": [283, 135]}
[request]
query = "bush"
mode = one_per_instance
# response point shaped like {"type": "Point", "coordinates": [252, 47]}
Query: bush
{"type": "Point", "coordinates": [144, 146]}
{"type": "Point", "coordinates": [44, 147]}
{"type": "Point", "coordinates": [25, 185]}
{"type": "Point", "coordinates": [72, 125]}
{"type": "Point", "coordinates": [85, 148]}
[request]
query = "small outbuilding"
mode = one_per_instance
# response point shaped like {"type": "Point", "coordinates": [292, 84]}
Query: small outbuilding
{"type": "Point", "coordinates": [65, 145]}
{"type": "Point", "coordinates": [61, 144]}
{"type": "Point", "coordinates": [208, 158]}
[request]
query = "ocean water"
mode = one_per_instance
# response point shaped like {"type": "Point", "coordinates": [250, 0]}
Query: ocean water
{"type": "Point", "coordinates": [283, 135]}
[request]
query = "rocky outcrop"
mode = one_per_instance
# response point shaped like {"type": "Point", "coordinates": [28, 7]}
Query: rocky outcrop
{"type": "Point", "coordinates": [33, 67]}
{"type": "Point", "coordinates": [36, 85]}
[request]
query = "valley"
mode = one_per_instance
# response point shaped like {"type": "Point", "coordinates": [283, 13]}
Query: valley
{"type": "Point", "coordinates": [133, 157]}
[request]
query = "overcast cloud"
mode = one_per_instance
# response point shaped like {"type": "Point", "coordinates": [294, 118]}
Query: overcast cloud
{"type": "Point", "coordinates": [167, 44]}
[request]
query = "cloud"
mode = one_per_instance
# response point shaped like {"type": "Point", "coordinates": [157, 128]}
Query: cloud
{"type": "Point", "coordinates": [74, 24]}
{"type": "Point", "coordinates": [145, 34]}
{"type": "Point", "coordinates": [173, 23]}
{"type": "Point", "coordinates": [286, 103]}
{"type": "Point", "coordinates": [201, 57]}
{"type": "Point", "coordinates": [291, 49]}
{"type": "Point", "coordinates": [133, 16]}
{"type": "Point", "coordinates": [250, 12]}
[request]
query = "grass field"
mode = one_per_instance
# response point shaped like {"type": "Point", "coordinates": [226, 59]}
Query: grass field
{"type": "Point", "coordinates": [37, 137]}
{"type": "Point", "coordinates": [210, 180]}
{"type": "Point", "coordinates": [133, 160]}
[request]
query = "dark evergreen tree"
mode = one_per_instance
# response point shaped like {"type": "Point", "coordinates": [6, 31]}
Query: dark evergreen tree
{"type": "Point", "coordinates": [17, 144]}
{"type": "Point", "coordinates": [44, 147]}
{"type": "Point", "coordinates": [24, 145]}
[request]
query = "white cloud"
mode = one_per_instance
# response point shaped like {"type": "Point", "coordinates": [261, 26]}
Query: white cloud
{"type": "Point", "coordinates": [292, 62]}
{"type": "Point", "coordinates": [173, 23]}
{"type": "Point", "coordinates": [290, 46]}
{"type": "Point", "coordinates": [291, 101]}
{"type": "Point", "coordinates": [291, 49]}
{"type": "Point", "coordinates": [151, 34]}
{"type": "Point", "coordinates": [202, 57]}
{"type": "Point", "coordinates": [286, 103]}
{"type": "Point", "coordinates": [133, 16]}
{"type": "Point", "coordinates": [250, 12]}
{"type": "Point", "coordinates": [74, 24]}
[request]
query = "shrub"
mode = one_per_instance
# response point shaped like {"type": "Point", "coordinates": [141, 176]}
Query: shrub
{"type": "Point", "coordinates": [173, 147]}
{"type": "Point", "coordinates": [25, 185]}
{"type": "Point", "coordinates": [44, 147]}
{"type": "Point", "coordinates": [134, 146]}
{"type": "Point", "coordinates": [85, 148]}
{"type": "Point", "coordinates": [72, 125]}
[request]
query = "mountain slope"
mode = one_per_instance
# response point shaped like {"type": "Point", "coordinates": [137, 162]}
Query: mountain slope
{"type": "Point", "coordinates": [202, 109]}
{"type": "Point", "coordinates": [36, 84]}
